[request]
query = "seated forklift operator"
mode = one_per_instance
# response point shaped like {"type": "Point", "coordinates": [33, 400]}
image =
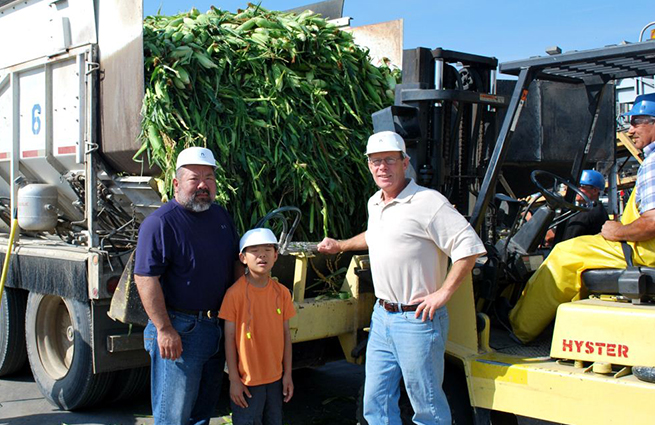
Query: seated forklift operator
{"type": "Point", "coordinates": [589, 222]}
{"type": "Point", "coordinates": [558, 279]}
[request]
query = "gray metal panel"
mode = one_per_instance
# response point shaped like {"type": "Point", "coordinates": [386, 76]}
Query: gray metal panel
{"type": "Point", "coordinates": [551, 130]}
{"type": "Point", "coordinates": [120, 43]}
{"type": "Point", "coordinates": [330, 9]}
{"type": "Point", "coordinates": [62, 25]}
{"type": "Point", "coordinates": [553, 125]}
{"type": "Point", "coordinates": [384, 41]}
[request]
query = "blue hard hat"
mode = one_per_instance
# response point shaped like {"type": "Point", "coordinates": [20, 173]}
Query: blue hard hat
{"type": "Point", "coordinates": [592, 178]}
{"type": "Point", "coordinates": [644, 105]}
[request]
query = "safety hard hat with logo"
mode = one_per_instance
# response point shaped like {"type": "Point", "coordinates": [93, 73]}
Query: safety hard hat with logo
{"type": "Point", "coordinates": [259, 236]}
{"type": "Point", "coordinates": [195, 156]}
{"type": "Point", "coordinates": [592, 178]}
{"type": "Point", "coordinates": [644, 105]}
{"type": "Point", "coordinates": [385, 141]}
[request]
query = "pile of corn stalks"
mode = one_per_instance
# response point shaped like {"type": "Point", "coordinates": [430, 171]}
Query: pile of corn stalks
{"type": "Point", "coordinates": [284, 101]}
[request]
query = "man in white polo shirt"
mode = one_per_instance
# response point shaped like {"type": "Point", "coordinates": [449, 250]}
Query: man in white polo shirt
{"type": "Point", "coordinates": [412, 231]}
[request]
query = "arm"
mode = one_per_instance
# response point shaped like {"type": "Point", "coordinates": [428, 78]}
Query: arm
{"type": "Point", "coordinates": [642, 229]}
{"type": "Point", "coordinates": [152, 297]}
{"type": "Point", "coordinates": [237, 388]}
{"type": "Point", "coordinates": [287, 382]}
{"type": "Point", "coordinates": [429, 304]}
{"type": "Point", "coordinates": [333, 246]}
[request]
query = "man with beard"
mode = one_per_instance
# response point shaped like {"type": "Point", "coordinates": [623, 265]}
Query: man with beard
{"type": "Point", "coordinates": [185, 261]}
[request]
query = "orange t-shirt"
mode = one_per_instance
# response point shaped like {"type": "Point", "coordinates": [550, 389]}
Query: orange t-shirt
{"type": "Point", "coordinates": [260, 313]}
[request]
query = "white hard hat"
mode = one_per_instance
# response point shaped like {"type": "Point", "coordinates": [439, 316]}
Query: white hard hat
{"type": "Point", "coordinates": [385, 141]}
{"type": "Point", "coordinates": [195, 156]}
{"type": "Point", "coordinates": [259, 236]}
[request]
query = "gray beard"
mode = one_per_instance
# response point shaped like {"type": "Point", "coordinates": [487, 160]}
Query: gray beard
{"type": "Point", "coordinates": [193, 205]}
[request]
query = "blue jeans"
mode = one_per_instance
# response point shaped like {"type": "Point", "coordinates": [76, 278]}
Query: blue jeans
{"type": "Point", "coordinates": [185, 391]}
{"type": "Point", "coordinates": [399, 345]}
{"type": "Point", "coordinates": [264, 407]}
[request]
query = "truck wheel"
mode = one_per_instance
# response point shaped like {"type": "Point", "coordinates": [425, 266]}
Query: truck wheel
{"type": "Point", "coordinates": [58, 337]}
{"type": "Point", "coordinates": [12, 331]}
{"type": "Point", "coordinates": [129, 384]}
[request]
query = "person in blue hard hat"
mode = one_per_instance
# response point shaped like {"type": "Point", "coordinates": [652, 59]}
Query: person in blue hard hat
{"type": "Point", "coordinates": [589, 222]}
{"type": "Point", "coordinates": [558, 279]}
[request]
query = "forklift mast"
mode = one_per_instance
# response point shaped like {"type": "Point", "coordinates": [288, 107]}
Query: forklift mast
{"type": "Point", "coordinates": [445, 114]}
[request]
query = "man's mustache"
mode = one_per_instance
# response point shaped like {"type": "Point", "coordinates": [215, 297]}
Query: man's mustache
{"type": "Point", "coordinates": [201, 192]}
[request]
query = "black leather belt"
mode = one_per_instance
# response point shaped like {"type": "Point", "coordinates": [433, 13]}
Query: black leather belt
{"type": "Point", "coordinates": [211, 314]}
{"type": "Point", "coordinates": [397, 307]}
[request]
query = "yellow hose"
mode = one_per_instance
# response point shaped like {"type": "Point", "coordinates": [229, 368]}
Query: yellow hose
{"type": "Point", "coordinates": [10, 245]}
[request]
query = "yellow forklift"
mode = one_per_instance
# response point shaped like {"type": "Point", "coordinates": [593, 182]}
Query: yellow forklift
{"type": "Point", "coordinates": [596, 363]}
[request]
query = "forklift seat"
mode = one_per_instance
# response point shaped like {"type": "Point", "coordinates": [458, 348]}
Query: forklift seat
{"type": "Point", "coordinates": [636, 283]}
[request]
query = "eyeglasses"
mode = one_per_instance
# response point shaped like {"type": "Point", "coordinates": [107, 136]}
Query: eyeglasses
{"type": "Point", "coordinates": [388, 161]}
{"type": "Point", "coordinates": [639, 120]}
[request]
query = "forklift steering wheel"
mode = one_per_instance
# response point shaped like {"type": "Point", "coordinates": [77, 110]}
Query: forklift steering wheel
{"type": "Point", "coordinates": [553, 198]}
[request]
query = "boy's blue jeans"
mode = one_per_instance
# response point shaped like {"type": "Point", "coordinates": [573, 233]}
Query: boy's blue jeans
{"type": "Point", "coordinates": [399, 345]}
{"type": "Point", "coordinates": [264, 407]}
{"type": "Point", "coordinates": [185, 391]}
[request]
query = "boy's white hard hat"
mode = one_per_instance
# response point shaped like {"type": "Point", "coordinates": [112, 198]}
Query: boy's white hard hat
{"type": "Point", "coordinates": [195, 156]}
{"type": "Point", "coordinates": [259, 236]}
{"type": "Point", "coordinates": [385, 141]}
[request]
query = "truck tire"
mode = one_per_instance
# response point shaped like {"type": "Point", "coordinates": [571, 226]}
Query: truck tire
{"type": "Point", "coordinates": [13, 354]}
{"type": "Point", "coordinates": [58, 337]}
{"type": "Point", "coordinates": [129, 384]}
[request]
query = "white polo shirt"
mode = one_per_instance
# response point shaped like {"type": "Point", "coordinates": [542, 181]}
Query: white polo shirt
{"type": "Point", "coordinates": [410, 239]}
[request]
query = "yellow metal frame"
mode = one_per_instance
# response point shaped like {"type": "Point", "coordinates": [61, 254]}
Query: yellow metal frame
{"type": "Point", "coordinates": [548, 390]}
{"type": "Point", "coordinates": [329, 317]}
{"type": "Point", "coordinates": [593, 330]}
{"type": "Point", "coordinates": [544, 388]}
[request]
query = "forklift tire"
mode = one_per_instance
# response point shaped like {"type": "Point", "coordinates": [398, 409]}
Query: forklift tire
{"type": "Point", "coordinates": [59, 337]}
{"type": "Point", "coordinates": [13, 354]}
{"type": "Point", "coordinates": [644, 373]}
{"type": "Point", "coordinates": [454, 385]}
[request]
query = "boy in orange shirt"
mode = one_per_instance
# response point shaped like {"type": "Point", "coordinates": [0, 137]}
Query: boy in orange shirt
{"type": "Point", "coordinates": [257, 310]}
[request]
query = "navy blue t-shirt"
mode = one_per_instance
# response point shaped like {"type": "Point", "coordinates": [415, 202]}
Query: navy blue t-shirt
{"type": "Point", "coordinates": [193, 253]}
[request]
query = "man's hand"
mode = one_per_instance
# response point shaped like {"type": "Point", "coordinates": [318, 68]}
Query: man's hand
{"type": "Point", "coordinates": [430, 304]}
{"type": "Point", "coordinates": [333, 246]}
{"type": "Point", "coordinates": [287, 387]}
{"type": "Point", "coordinates": [238, 393]}
{"type": "Point", "coordinates": [329, 246]}
{"type": "Point", "coordinates": [170, 343]}
{"type": "Point", "coordinates": [610, 230]}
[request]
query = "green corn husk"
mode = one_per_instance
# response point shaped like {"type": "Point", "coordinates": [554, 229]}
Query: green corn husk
{"type": "Point", "coordinates": [284, 101]}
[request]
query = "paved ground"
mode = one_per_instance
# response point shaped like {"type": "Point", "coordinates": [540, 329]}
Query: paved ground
{"type": "Point", "coordinates": [323, 396]}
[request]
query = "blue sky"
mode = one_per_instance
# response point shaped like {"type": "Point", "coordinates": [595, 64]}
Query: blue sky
{"type": "Point", "coordinates": [506, 29]}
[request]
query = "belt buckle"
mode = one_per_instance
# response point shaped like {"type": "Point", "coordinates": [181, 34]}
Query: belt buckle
{"type": "Point", "coordinates": [391, 307]}
{"type": "Point", "coordinates": [210, 316]}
